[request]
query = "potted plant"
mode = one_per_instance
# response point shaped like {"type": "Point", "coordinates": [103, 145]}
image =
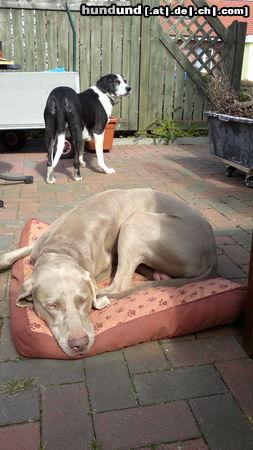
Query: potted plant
{"type": "Point", "coordinates": [108, 137]}
{"type": "Point", "coordinates": [231, 126]}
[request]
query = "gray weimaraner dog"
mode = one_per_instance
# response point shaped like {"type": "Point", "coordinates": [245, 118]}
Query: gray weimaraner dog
{"type": "Point", "coordinates": [127, 228]}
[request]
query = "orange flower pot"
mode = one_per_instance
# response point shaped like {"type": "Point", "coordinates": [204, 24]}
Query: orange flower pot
{"type": "Point", "coordinates": [108, 137]}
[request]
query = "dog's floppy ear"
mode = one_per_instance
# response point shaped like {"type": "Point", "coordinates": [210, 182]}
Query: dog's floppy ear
{"type": "Point", "coordinates": [25, 296]}
{"type": "Point", "coordinates": [107, 83]}
{"type": "Point", "coordinates": [102, 84]}
{"type": "Point", "coordinates": [101, 302]}
{"type": "Point", "coordinates": [98, 303]}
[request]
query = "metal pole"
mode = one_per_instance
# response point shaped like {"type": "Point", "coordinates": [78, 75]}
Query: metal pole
{"type": "Point", "coordinates": [73, 26]}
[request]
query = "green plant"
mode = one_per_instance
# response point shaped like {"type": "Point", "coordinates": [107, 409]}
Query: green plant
{"type": "Point", "coordinates": [94, 445]}
{"type": "Point", "coordinates": [18, 385]}
{"type": "Point", "coordinates": [165, 129]}
{"type": "Point", "coordinates": [195, 132]}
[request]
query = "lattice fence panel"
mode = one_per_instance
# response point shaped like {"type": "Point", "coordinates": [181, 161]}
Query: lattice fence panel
{"type": "Point", "coordinates": [195, 37]}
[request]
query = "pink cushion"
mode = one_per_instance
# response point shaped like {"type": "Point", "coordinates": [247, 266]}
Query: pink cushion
{"type": "Point", "coordinates": [147, 315]}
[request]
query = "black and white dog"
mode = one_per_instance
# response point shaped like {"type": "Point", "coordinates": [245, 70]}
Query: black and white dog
{"type": "Point", "coordinates": [86, 115]}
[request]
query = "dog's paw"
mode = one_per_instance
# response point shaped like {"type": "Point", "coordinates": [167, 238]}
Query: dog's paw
{"type": "Point", "coordinates": [76, 175]}
{"type": "Point", "coordinates": [51, 180]}
{"type": "Point", "coordinates": [109, 170]}
{"type": "Point", "coordinates": [82, 161]}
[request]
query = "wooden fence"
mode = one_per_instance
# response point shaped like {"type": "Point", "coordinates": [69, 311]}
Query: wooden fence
{"type": "Point", "coordinates": [165, 81]}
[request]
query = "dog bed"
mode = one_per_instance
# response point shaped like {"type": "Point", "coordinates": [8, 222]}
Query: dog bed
{"type": "Point", "coordinates": [147, 315]}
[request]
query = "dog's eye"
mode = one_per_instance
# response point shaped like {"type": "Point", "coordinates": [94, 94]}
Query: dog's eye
{"type": "Point", "coordinates": [52, 306]}
{"type": "Point", "coordinates": [83, 301]}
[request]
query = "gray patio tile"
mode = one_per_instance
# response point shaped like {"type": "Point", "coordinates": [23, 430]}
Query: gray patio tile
{"type": "Point", "coordinates": [222, 423]}
{"type": "Point", "coordinates": [48, 371]}
{"type": "Point", "coordinates": [108, 382]}
{"type": "Point", "coordinates": [170, 385]}
{"type": "Point", "coordinates": [24, 407]}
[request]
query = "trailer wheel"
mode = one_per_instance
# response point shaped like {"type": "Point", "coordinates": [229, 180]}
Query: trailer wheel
{"type": "Point", "coordinates": [13, 139]}
{"type": "Point", "coordinates": [230, 170]}
{"type": "Point", "coordinates": [249, 182]}
{"type": "Point", "coordinates": [68, 151]}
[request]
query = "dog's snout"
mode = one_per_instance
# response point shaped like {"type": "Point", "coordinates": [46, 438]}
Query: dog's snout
{"type": "Point", "coordinates": [78, 344]}
{"type": "Point", "coordinates": [128, 89]}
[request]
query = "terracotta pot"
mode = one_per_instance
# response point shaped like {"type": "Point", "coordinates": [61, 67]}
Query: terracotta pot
{"type": "Point", "coordinates": [108, 138]}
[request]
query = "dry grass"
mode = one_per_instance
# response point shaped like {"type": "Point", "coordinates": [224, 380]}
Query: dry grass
{"type": "Point", "coordinates": [225, 100]}
{"type": "Point", "coordinates": [18, 385]}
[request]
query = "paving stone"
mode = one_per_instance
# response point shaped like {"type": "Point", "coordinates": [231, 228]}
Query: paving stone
{"type": "Point", "coordinates": [4, 308]}
{"type": "Point", "coordinates": [24, 407]}
{"type": "Point", "coordinates": [243, 239]}
{"type": "Point", "coordinates": [5, 242]}
{"type": "Point", "coordinates": [221, 207]}
{"type": "Point", "coordinates": [238, 376]}
{"type": "Point", "coordinates": [228, 269]}
{"type": "Point", "coordinates": [21, 437]}
{"type": "Point", "coordinates": [108, 382]}
{"type": "Point", "coordinates": [144, 426]}
{"type": "Point", "coordinates": [145, 357]}
{"type": "Point", "coordinates": [65, 420]}
{"type": "Point", "coordinates": [48, 371]}
{"type": "Point", "coordinates": [7, 348]}
{"type": "Point", "coordinates": [196, 444]}
{"type": "Point", "coordinates": [204, 351]}
{"type": "Point", "coordinates": [237, 254]}
{"type": "Point", "coordinates": [179, 384]}
{"type": "Point", "coordinates": [222, 423]}
{"type": "Point", "coordinates": [233, 329]}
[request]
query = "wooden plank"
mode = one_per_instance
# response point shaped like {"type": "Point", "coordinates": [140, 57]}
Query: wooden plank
{"type": "Point", "coordinates": [134, 71]}
{"type": "Point", "coordinates": [156, 72]}
{"type": "Point", "coordinates": [85, 80]}
{"type": "Point", "coordinates": [76, 17]}
{"type": "Point", "coordinates": [244, 169]}
{"type": "Point", "coordinates": [95, 68]}
{"type": "Point", "coordinates": [117, 53]}
{"type": "Point", "coordinates": [5, 33]}
{"type": "Point", "coordinates": [106, 45]}
{"type": "Point", "coordinates": [40, 20]}
{"type": "Point", "coordinates": [188, 100]}
{"type": "Point", "coordinates": [238, 31]}
{"type": "Point", "coordinates": [30, 51]}
{"type": "Point", "coordinates": [144, 69]}
{"type": "Point", "coordinates": [52, 18]}
{"type": "Point", "coordinates": [169, 88]}
{"type": "Point", "coordinates": [18, 37]}
{"type": "Point", "coordinates": [63, 40]}
{"type": "Point", "coordinates": [74, 5]}
{"type": "Point", "coordinates": [248, 315]}
{"type": "Point", "coordinates": [124, 104]}
{"type": "Point", "coordinates": [198, 105]}
{"type": "Point", "coordinates": [179, 94]}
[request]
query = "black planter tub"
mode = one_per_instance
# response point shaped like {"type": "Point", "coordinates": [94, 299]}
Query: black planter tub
{"type": "Point", "coordinates": [231, 139]}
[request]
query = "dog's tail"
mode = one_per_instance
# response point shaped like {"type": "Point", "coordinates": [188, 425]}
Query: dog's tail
{"type": "Point", "coordinates": [59, 148]}
{"type": "Point", "coordinates": [60, 128]}
{"type": "Point", "coordinates": [7, 259]}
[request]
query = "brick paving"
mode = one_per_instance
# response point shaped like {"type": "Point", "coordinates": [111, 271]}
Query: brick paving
{"type": "Point", "coordinates": [194, 392]}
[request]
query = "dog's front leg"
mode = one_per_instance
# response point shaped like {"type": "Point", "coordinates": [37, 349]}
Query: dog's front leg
{"type": "Point", "coordinates": [99, 141]}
